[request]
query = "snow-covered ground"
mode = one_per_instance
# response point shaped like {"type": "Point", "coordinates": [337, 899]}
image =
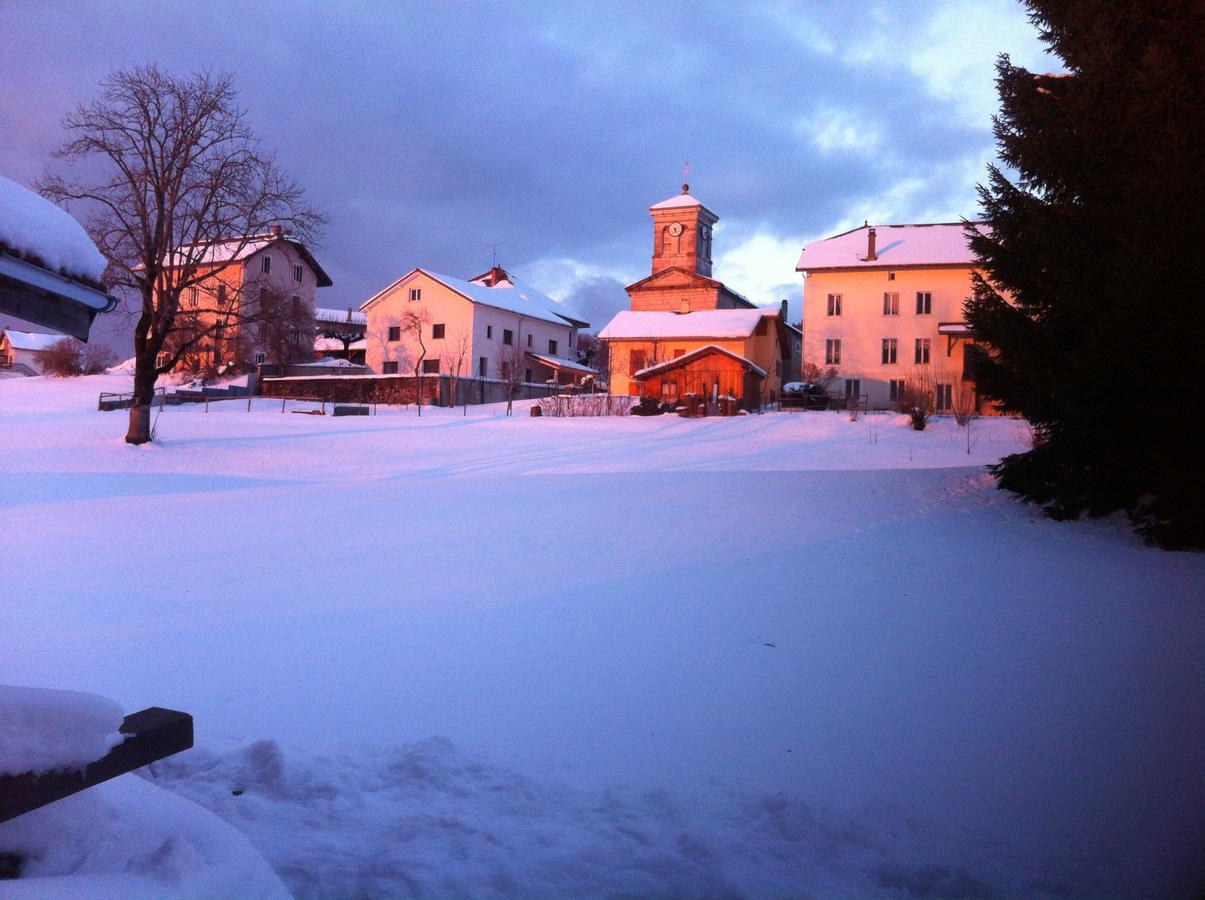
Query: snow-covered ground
{"type": "Point", "coordinates": [780, 655]}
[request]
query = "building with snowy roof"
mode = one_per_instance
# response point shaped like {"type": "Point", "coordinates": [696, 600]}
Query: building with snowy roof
{"type": "Point", "coordinates": [49, 268]}
{"type": "Point", "coordinates": [242, 274]}
{"type": "Point", "coordinates": [882, 304]}
{"type": "Point", "coordinates": [22, 352]}
{"type": "Point", "coordinates": [680, 309]}
{"type": "Point", "coordinates": [722, 346]}
{"type": "Point", "coordinates": [475, 328]}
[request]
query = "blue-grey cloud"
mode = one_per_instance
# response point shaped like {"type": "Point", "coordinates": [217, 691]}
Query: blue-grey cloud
{"type": "Point", "coordinates": [430, 131]}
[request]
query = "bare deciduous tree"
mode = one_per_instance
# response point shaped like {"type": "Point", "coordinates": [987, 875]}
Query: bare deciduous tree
{"type": "Point", "coordinates": [413, 323]}
{"type": "Point", "coordinates": [180, 175]}
{"type": "Point", "coordinates": [457, 349]}
{"type": "Point", "coordinates": [509, 364]}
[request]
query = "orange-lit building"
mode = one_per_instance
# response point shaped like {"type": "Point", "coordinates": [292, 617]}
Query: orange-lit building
{"type": "Point", "coordinates": [245, 274]}
{"type": "Point", "coordinates": [686, 332]}
{"type": "Point", "coordinates": [881, 302]}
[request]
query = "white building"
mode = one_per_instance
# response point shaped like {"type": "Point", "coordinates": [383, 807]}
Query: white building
{"type": "Point", "coordinates": [473, 328]}
{"type": "Point", "coordinates": [22, 351]}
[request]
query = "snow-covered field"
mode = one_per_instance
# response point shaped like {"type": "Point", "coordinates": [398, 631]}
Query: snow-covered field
{"type": "Point", "coordinates": [780, 655]}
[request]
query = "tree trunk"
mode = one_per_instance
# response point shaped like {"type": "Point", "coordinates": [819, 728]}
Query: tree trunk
{"type": "Point", "coordinates": [144, 394]}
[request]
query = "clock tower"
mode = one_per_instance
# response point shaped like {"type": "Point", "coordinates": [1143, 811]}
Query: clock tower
{"type": "Point", "coordinates": [682, 234]}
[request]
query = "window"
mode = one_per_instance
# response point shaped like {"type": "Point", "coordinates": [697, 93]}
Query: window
{"type": "Point", "coordinates": [896, 387]}
{"type": "Point", "coordinates": [889, 351]}
{"type": "Point", "coordinates": [389, 367]}
{"type": "Point", "coordinates": [437, 332]}
{"type": "Point", "coordinates": [924, 303]}
{"type": "Point", "coordinates": [552, 347]}
{"type": "Point", "coordinates": [295, 305]}
{"type": "Point", "coordinates": [261, 358]}
{"type": "Point", "coordinates": [853, 388]}
{"type": "Point", "coordinates": [395, 332]}
{"type": "Point", "coordinates": [508, 336]}
{"type": "Point", "coordinates": [891, 303]}
{"type": "Point", "coordinates": [527, 375]}
{"type": "Point", "coordinates": [529, 340]}
{"type": "Point", "coordinates": [944, 397]}
{"type": "Point", "coordinates": [431, 366]}
{"type": "Point", "coordinates": [265, 265]}
{"type": "Point", "coordinates": [891, 276]}
{"type": "Point", "coordinates": [297, 274]}
{"type": "Point", "coordinates": [635, 361]}
{"type": "Point", "coordinates": [489, 332]}
{"type": "Point", "coordinates": [922, 351]}
{"type": "Point", "coordinates": [222, 298]}
{"type": "Point", "coordinates": [834, 304]}
{"type": "Point", "coordinates": [482, 363]}
{"type": "Point", "coordinates": [416, 294]}
{"type": "Point", "coordinates": [678, 353]}
{"type": "Point", "coordinates": [193, 296]}
{"type": "Point", "coordinates": [832, 352]}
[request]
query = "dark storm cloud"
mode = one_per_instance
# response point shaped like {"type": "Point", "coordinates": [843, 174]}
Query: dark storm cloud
{"type": "Point", "coordinates": [428, 132]}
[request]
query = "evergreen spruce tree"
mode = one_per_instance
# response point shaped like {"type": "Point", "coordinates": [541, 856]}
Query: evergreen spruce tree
{"type": "Point", "coordinates": [1093, 300]}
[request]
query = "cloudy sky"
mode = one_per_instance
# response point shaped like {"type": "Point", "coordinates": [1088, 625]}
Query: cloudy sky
{"type": "Point", "coordinates": [429, 131]}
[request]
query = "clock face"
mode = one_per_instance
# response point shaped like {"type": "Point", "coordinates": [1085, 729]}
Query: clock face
{"type": "Point", "coordinates": [675, 228]}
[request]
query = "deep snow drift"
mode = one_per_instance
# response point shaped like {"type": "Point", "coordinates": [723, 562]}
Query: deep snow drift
{"type": "Point", "coordinates": [777, 655]}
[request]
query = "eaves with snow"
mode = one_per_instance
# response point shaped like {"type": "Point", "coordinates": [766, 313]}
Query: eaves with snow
{"type": "Point", "coordinates": [49, 268]}
{"type": "Point", "coordinates": [894, 246]}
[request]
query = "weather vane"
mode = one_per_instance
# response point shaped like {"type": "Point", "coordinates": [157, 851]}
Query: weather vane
{"type": "Point", "coordinates": [685, 175]}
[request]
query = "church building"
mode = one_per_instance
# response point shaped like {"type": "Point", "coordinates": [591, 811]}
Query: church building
{"type": "Point", "coordinates": [686, 332]}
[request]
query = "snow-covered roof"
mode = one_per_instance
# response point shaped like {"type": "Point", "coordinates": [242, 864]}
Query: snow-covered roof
{"type": "Point", "coordinates": [513, 296]}
{"type": "Point", "coordinates": [238, 249]}
{"type": "Point", "coordinates": [695, 354]}
{"type": "Point", "coordinates": [937, 244]}
{"type": "Point", "coordinates": [706, 323]}
{"type": "Point", "coordinates": [323, 314]}
{"type": "Point", "coordinates": [35, 229]}
{"type": "Point", "coordinates": [32, 340]}
{"type": "Point", "coordinates": [953, 328]}
{"type": "Point", "coordinates": [679, 201]}
{"type": "Point", "coordinates": [325, 343]}
{"type": "Point", "coordinates": [558, 363]}
{"type": "Point", "coordinates": [361, 344]}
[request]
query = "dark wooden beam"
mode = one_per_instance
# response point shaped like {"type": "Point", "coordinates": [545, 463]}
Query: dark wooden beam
{"type": "Point", "coordinates": [45, 309]}
{"type": "Point", "coordinates": [151, 734]}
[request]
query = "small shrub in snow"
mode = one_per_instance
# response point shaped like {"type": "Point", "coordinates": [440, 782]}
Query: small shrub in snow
{"type": "Point", "coordinates": [68, 358]}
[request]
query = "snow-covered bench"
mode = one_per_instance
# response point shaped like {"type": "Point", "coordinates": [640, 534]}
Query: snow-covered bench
{"type": "Point", "coordinates": [42, 768]}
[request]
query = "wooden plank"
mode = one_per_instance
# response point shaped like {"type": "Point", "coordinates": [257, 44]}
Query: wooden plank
{"type": "Point", "coordinates": [152, 734]}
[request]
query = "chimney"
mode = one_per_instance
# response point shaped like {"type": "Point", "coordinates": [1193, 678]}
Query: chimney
{"type": "Point", "coordinates": [870, 245]}
{"type": "Point", "coordinates": [782, 309]}
{"type": "Point", "coordinates": [276, 231]}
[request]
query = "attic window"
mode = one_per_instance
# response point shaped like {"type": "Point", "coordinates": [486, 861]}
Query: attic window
{"type": "Point", "coordinates": [297, 274]}
{"type": "Point", "coordinates": [416, 294]}
{"type": "Point", "coordinates": [891, 276]}
{"type": "Point", "coordinates": [265, 265]}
